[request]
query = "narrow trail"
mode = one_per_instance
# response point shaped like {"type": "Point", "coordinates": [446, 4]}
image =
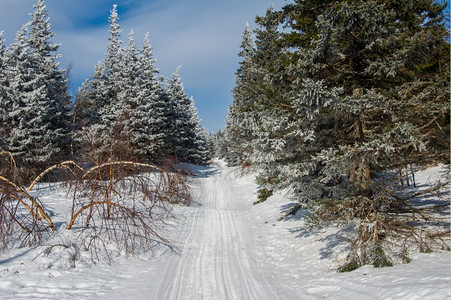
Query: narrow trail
{"type": "Point", "coordinates": [217, 258]}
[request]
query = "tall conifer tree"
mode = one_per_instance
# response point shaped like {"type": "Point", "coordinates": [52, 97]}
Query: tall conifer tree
{"type": "Point", "coordinates": [189, 139]}
{"type": "Point", "coordinates": [238, 130]}
{"type": "Point", "coordinates": [113, 65]}
{"type": "Point", "coordinates": [39, 109]}
{"type": "Point", "coordinates": [348, 93]}
{"type": "Point", "coordinates": [3, 96]}
{"type": "Point", "coordinates": [152, 140]}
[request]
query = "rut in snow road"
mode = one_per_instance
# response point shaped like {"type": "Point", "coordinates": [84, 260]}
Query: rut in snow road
{"type": "Point", "coordinates": [217, 259]}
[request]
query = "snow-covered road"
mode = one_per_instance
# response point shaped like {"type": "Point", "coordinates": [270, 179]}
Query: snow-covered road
{"type": "Point", "coordinates": [218, 259]}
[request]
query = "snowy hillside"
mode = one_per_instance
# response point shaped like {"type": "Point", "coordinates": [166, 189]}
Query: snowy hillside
{"type": "Point", "coordinates": [227, 248]}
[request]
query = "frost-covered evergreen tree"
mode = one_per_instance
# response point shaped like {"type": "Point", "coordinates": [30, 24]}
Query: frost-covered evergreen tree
{"type": "Point", "coordinates": [189, 138]}
{"type": "Point", "coordinates": [183, 129]}
{"type": "Point", "coordinates": [39, 109]}
{"type": "Point", "coordinates": [97, 105]}
{"type": "Point", "coordinates": [351, 91]}
{"type": "Point", "coordinates": [90, 98]}
{"type": "Point", "coordinates": [151, 139]}
{"type": "Point", "coordinates": [4, 98]}
{"type": "Point", "coordinates": [238, 132]}
{"type": "Point", "coordinates": [143, 110]}
{"type": "Point", "coordinates": [114, 59]}
{"type": "Point", "coordinates": [217, 144]}
{"type": "Point", "coordinates": [126, 104]}
{"type": "Point", "coordinates": [325, 92]}
{"type": "Point", "coordinates": [126, 107]}
{"type": "Point", "coordinates": [89, 131]}
{"type": "Point", "coordinates": [53, 78]}
{"type": "Point", "coordinates": [262, 101]}
{"type": "Point", "coordinates": [372, 47]}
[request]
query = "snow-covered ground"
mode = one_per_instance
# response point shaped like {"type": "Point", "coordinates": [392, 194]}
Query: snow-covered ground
{"type": "Point", "coordinates": [228, 248]}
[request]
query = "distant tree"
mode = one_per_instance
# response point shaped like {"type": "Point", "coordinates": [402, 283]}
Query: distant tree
{"type": "Point", "coordinates": [114, 59]}
{"type": "Point", "coordinates": [217, 144]}
{"type": "Point", "coordinates": [126, 103]}
{"type": "Point", "coordinates": [126, 107]}
{"type": "Point", "coordinates": [91, 96]}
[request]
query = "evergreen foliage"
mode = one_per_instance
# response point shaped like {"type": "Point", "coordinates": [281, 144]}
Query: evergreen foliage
{"type": "Point", "coordinates": [126, 103]}
{"type": "Point", "coordinates": [347, 92]}
{"type": "Point", "coordinates": [189, 138]}
{"type": "Point", "coordinates": [4, 132]}
{"type": "Point", "coordinates": [151, 139]}
{"type": "Point", "coordinates": [35, 102]}
{"type": "Point", "coordinates": [238, 131]}
{"type": "Point", "coordinates": [123, 111]}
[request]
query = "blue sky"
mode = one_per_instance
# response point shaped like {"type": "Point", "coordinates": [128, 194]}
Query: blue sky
{"type": "Point", "coordinates": [202, 36]}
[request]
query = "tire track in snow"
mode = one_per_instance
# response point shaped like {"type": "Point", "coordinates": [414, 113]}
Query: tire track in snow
{"type": "Point", "coordinates": [174, 268]}
{"type": "Point", "coordinates": [243, 250]}
{"type": "Point", "coordinates": [217, 260]}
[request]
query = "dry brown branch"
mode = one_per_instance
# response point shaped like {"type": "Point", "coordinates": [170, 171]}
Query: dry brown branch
{"type": "Point", "coordinates": [61, 165]}
{"type": "Point", "coordinates": [392, 221]}
{"type": "Point", "coordinates": [9, 194]}
{"type": "Point", "coordinates": [13, 161]}
{"type": "Point", "coordinates": [36, 205]}
{"type": "Point", "coordinates": [433, 120]}
{"type": "Point", "coordinates": [71, 223]}
{"type": "Point", "coordinates": [13, 217]}
{"type": "Point", "coordinates": [120, 163]}
{"type": "Point", "coordinates": [124, 203]}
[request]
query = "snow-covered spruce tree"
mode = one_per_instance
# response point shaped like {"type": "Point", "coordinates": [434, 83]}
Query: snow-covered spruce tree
{"type": "Point", "coordinates": [91, 96]}
{"type": "Point", "coordinates": [40, 104]}
{"type": "Point", "coordinates": [348, 93]}
{"type": "Point", "coordinates": [4, 129]}
{"type": "Point", "coordinates": [376, 61]}
{"type": "Point", "coordinates": [217, 144]}
{"type": "Point", "coordinates": [154, 138]}
{"type": "Point", "coordinates": [237, 130]}
{"type": "Point", "coordinates": [97, 105]}
{"type": "Point", "coordinates": [125, 103]}
{"type": "Point", "coordinates": [126, 108]}
{"type": "Point", "coordinates": [372, 50]}
{"type": "Point", "coordinates": [264, 112]}
{"type": "Point", "coordinates": [145, 113]}
{"type": "Point", "coordinates": [189, 138]}
{"type": "Point", "coordinates": [16, 67]}
{"type": "Point", "coordinates": [88, 128]}
{"type": "Point", "coordinates": [388, 66]}
{"type": "Point", "coordinates": [111, 110]}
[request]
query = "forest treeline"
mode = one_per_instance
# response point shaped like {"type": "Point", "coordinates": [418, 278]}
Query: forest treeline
{"type": "Point", "coordinates": [125, 110]}
{"type": "Point", "coordinates": [340, 102]}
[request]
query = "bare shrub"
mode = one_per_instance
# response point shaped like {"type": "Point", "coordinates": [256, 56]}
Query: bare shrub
{"type": "Point", "coordinates": [392, 221]}
{"type": "Point", "coordinates": [125, 204]}
{"type": "Point", "coordinates": [118, 206]}
{"type": "Point", "coordinates": [22, 217]}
